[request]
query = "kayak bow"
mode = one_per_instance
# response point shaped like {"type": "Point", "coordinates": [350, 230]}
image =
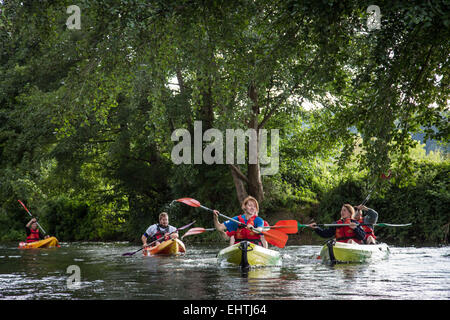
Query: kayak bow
{"type": "Point", "coordinates": [247, 254]}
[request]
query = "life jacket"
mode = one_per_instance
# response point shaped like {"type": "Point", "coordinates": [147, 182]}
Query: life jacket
{"type": "Point", "coordinates": [343, 234]}
{"type": "Point", "coordinates": [368, 230]}
{"type": "Point", "coordinates": [242, 233]}
{"type": "Point", "coordinates": [33, 236]}
{"type": "Point", "coordinates": [160, 233]}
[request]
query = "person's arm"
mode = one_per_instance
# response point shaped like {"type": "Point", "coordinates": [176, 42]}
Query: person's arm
{"type": "Point", "coordinates": [259, 227]}
{"type": "Point", "coordinates": [30, 222]}
{"type": "Point", "coordinates": [173, 235]}
{"type": "Point", "coordinates": [144, 239]}
{"type": "Point", "coordinates": [324, 233]}
{"type": "Point", "coordinates": [370, 217]}
{"type": "Point", "coordinates": [264, 242]}
{"type": "Point", "coordinates": [219, 226]}
{"type": "Point", "coordinates": [360, 233]}
{"type": "Point", "coordinates": [148, 234]}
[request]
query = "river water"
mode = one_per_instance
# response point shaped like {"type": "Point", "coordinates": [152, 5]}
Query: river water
{"type": "Point", "coordinates": [410, 273]}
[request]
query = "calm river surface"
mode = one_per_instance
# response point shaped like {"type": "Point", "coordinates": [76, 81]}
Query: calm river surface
{"type": "Point", "coordinates": [410, 273]}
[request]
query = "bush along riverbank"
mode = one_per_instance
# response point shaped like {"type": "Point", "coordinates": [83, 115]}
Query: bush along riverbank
{"type": "Point", "coordinates": [423, 200]}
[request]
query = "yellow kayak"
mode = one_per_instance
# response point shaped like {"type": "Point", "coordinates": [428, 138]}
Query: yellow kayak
{"type": "Point", "coordinates": [246, 254]}
{"type": "Point", "coordinates": [169, 247]}
{"type": "Point", "coordinates": [341, 252]}
{"type": "Point", "coordinates": [46, 243]}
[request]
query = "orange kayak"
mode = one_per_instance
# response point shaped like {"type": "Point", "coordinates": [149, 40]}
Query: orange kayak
{"type": "Point", "coordinates": [169, 247]}
{"type": "Point", "coordinates": [46, 243]}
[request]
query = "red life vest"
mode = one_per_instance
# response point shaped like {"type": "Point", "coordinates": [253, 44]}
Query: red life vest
{"type": "Point", "coordinates": [343, 234]}
{"type": "Point", "coordinates": [33, 236]}
{"type": "Point", "coordinates": [159, 233]}
{"type": "Point", "coordinates": [232, 233]}
{"type": "Point", "coordinates": [242, 233]}
{"type": "Point", "coordinates": [368, 230]}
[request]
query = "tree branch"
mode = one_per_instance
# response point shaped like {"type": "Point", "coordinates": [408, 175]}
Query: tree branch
{"type": "Point", "coordinates": [238, 173]}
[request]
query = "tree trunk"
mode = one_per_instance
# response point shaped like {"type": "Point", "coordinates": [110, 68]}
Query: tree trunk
{"type": "Point", "coordinates": [255, 187]}
{"type": "Point", "coordinates": [239, 183]}
{"type": "Point", "coordinates": [252, 183]}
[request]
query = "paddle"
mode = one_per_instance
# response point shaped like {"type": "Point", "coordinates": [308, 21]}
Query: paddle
{"type": "Point", "coordinates": [286, 226]}
{"type": "Point", "coordinates": [383, 177]}
{"type": "Point", "coordinates": [149, 244]}
{"type": "Point", "coordinates": [274, 237]}
{"type": "Point", "coordinates": [197, 230]}
{"type": "Point", "coordinates": [362, 224]}
{"type": "Point", "coordinates": [40, 227]}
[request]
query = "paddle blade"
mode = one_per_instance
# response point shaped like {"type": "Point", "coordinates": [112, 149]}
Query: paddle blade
{"type": "Point", "coordinates": [190, 202]}
{"type": "Point", "coordinates": [392, 225]}
{"type": "Point", "coordinates": [126, 254]}
{"type": "Point", "coordinates": [193, 231]}
{"type": "Point", "coordinates": [276, 238]}
{"type": "Point", "coordinates": [24, 206]}
{"type": "Point", "coordinates": [286, 226]}
{"type": "Point", "coordinates": [184, 227]}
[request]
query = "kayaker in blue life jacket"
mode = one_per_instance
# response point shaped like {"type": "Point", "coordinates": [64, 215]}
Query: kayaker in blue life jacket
{"type": "Point", "coordinates": [250, 227]}
{"type": "Point", "coordinates": [159, 231]}
{"type": "Point", "coordinates": [349, 234]}
{"type": "Point", "coordinates": [33, 233]}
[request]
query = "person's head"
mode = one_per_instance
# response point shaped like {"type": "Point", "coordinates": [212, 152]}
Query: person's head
{"type": "Point", "coordinates": [250, 205]}
{"type": "Point", "coordinates": [163, 219]}
{"type": "Point", "coordinates": [357, 214]}
{"type": "Point", "coordinates": [347, 211]}
{"type": "Point", "coordinates": [34, 225]}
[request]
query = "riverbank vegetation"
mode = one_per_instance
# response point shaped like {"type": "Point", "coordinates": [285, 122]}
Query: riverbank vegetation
{"type": "Point", "coordinates": [87, 116]}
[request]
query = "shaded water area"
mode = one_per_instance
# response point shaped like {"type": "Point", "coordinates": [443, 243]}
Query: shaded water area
{"type": "Point", "coordinates": [410, 273]}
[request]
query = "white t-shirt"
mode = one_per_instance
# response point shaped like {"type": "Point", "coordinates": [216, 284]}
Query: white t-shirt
{"type": "Point", "coordinates": [153, 229]}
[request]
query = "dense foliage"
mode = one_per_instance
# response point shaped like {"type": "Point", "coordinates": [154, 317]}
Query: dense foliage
{"type": "Point", "coordinates": [87, 116]}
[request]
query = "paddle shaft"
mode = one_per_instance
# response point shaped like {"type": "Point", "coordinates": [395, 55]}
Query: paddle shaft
{"type": "Point", "coordinates": [226, 217]}
{"type": "Point", "coordinates": [362, 224]}
{"type": "Point", "coordinates": [222, 215]}
{"type": "Point", "coordinates": [40, 227]}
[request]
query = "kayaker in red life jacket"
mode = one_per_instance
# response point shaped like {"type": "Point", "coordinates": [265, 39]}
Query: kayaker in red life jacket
{"type": "Point", "coordinates": [159, 231]}
{"type": "Point", "coordinates": [368, 217]}
{"type": "Point", "coordinates": [230, 235]}
{"type": "Point", "coordinates": [33, 233]}
{"type": "Point", "coordinates": [350, 234]}
{"type": "Point", "coordinates": [238, 232]}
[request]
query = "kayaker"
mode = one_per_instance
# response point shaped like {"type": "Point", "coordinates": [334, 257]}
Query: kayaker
{"type": "Point", "coordinates": [159, 231]}
{"type": "Point", "coordinates": [367, 217]}
{"type": "Point", "coordinates": [250, 227]}
{"type": "Point", "coordinates": [350, 234]}
{"type": "Point", "coordinates": [33, 233]}
{"type": "Point", "coordinates": [230, 236]}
